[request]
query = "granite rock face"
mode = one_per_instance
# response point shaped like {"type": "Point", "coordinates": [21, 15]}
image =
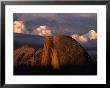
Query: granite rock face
{"type": "Point", "coordinates": [57, 51]}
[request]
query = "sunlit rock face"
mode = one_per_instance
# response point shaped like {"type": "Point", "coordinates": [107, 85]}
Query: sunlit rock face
{"type": "Point", "coordinates": [57, 51]}
{"type": "Point", "coordinates": [61, 50]}
{"type": "Point", "coordinates": [24, 55]}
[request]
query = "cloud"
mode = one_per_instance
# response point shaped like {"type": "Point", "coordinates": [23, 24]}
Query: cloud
{"type": "Point", "coordinates": [18, 27]}
{"type": "Point", "coordinates": [33, 16]}
{"type": "Point", "coordinates": [75, 36]}
{"type": "Point", "coordinates": [91, 35]}
{"type": "Point", "coordinates": [42, 31]}
{"type": "Point", "coordinates": [73, 22]}
{"type": "Point", "coordinates": [87, 15]}
{"type": "Point", "coordinates": [83, 38]}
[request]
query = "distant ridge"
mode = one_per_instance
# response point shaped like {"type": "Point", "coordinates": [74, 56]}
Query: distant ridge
{"type": "Point", "coordinates": [34, 41]}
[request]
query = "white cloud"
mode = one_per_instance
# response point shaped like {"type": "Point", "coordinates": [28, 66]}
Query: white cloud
{"type": "Point", "coordinates": [75, 36]}
{"type": "Point", "coordinates": [42, 31]}
{"type": "Point", "coordinates": [83, 38]}
{"type": "Point", "coordinates": [91, 35]}
{"type": "Point", "coordinates": [18, 27]}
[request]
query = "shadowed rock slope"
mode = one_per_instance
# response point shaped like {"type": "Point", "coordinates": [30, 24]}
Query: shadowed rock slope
{"type": "Point", "coordinates": [57, 51]}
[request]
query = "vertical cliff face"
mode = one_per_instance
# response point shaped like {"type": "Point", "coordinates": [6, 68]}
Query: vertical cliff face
{"type": "Point", "coordinates": [47, 51]}
{"type": "Point", "coordinates": [61, 50]}
{"type": "Point", "coordinates": [50, 53]}
{"type": "Point", "coordinates": [57, 51]}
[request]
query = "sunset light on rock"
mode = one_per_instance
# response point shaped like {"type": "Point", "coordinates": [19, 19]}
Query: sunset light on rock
{"type": "Point", "coordinates": [55, 43]}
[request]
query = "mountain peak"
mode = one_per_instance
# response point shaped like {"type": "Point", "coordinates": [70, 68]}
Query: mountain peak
{"type": "Point", "coordinates": [57, 51]}
{"type": "Point", "coordinates": [62, 50]}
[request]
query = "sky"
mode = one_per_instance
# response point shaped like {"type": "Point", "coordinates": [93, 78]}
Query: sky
{"type": "Point", "coordinates": [59, 23]}
{"type": "Point", "coordinates": [80, 26]}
